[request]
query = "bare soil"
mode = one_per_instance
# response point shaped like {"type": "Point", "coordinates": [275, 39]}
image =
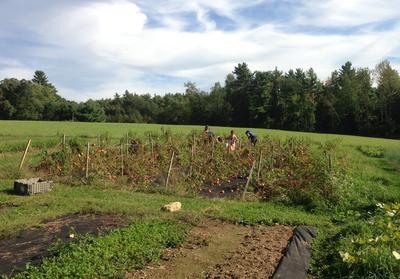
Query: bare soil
{"type": "Point", "coordinates": [31, 245]}
{"type": "Point", "coordinates": [231, 189]}
{"type": "Point", "coordinates": [222, 250]}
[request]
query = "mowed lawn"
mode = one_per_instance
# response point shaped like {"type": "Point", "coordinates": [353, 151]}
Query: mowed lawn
{"type": "Point", "coordinates": [21, 130]}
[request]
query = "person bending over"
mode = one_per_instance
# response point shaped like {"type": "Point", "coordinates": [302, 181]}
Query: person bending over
{"type": "Point", "coordinates": [252, 137]}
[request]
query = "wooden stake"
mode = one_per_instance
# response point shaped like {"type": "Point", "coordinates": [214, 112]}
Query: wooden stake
{"type": "Point", "coordinates": [63, 142]}
{"type": "Point", "coordinates": [169, 169]}
{"type": "Point", "coordinates": [330, 161]}
{"type": "Point", "coordinates": [127, 144]}
{"type": "Point", "coordinates": [259, 167]}
{"type": "Point", "coordinates": [191, 160]}
{"type": "Point", "coordinates": [87, 160]}
{"type": "Point", "coordinates": [248, 179]}
{"type": "Point", "coordinates": [152, 146]}
{"type": "Point", "coordinates": [23, 156]}
{"type": "Point", "coordinates": [122, 160]}
{"type": "Point", "coordinates": [212, 149]}
{"type": "Point", "coordinates": [194, 143]}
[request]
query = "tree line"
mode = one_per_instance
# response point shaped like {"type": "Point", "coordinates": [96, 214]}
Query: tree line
{"type": "Point", "coordinates": [357, 101]}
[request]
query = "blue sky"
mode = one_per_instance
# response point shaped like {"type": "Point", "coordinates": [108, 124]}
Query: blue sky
{"type": "Point", "coordinates": [94, 48]}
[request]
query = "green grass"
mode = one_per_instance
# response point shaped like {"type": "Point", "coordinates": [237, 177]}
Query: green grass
{"type": "Point", "coordinates": [110, 256]}
{"type": "Point", "coordinates": [372, 168]}
{"type": "Point", "coordinates": [64, 200]}
{"type": "Point", "coordinates": [26, 129]}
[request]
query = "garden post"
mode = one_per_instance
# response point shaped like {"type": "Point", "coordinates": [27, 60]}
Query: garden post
{"type": "Point", "coordinates": [24, 155]}
{"type": "Point", "coordinates": [191, 159]}
{"type": "Point", "coordinates": [248, 179]}
{"type": "Point", "coordinates": [169, 169]}
{"type": "Point", "coordinates": [212, 149]}
{"type": "Point", "coordinates": [259, 167]}
{"type": "Point", "coordinates": [87, 160]}
{"type": "Point", "coordinates": [152, 146]}
{"type": "Point", "coordinates": [122, 160]}
{"type": "Point", "coordinates": [127, 144]}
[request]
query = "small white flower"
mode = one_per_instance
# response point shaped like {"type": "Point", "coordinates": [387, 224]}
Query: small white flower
{"type": "Point", "coordinates": [396, 255]}
{"type": "Point", "coordinates": [391, 213]}
{"type": "Point", "coordinates": [71, 235]}
{"type": "Point", "coordinates": [379, 204]}
{"type": "Point", "coordinates": [345, 256]}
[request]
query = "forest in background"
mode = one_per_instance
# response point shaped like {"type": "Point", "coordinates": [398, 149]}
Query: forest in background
{"type": "Point", "coordinates": [358, 101]}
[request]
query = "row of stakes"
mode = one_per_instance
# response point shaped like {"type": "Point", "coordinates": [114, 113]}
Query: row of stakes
{"type": "Point", "coordinates": [170, 164]}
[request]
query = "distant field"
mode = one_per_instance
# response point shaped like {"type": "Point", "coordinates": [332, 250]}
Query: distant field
{"type": "Point", "coordinates": [11, 131]}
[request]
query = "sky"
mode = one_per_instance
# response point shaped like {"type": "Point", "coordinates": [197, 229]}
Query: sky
{"type": "Point", "coordinates": [95, 48]}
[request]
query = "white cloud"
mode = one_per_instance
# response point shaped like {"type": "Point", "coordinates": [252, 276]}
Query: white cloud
{"type": "Point", "coordinates": [346, 13]}
{"type": "Point", "coordinates": [16, 72]}
{"type": "Point", "coordinates": [110, 46]}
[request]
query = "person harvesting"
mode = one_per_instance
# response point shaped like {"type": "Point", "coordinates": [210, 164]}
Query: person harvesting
{"type": "Point", "coordinates": [252, 137]}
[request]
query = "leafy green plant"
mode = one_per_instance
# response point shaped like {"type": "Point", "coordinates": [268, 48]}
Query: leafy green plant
{"type": "Point", "coordinates": [372, 151]}
{"type": "Point", "coordinates": [367, 247]}
{"type": "Point", "coordinates": [111, 255]}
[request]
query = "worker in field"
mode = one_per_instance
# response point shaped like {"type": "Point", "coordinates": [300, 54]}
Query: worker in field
{"type": "Point", "coordinates": [134, 146]}
{"type": "Point", "coordinates": [208, 135]}
{"type": "Point", "coordinates": [232, 141]}
{"type": "Point", "coordinates": [252, 137]}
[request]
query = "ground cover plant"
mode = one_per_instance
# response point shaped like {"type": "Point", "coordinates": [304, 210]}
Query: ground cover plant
{"type": "Point", "coordinates": [323, 180]}
{"type": "Point", "coordinates": [110, 256]}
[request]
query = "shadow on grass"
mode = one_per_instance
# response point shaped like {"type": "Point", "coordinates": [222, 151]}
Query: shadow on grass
{"type": "Point", "coordinates": [9, 192]}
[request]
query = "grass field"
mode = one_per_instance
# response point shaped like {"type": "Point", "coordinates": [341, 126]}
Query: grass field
{"type": "Point", "coordinates": [11, 131]}
{"type": "Point", "coordinates": [371, 177]}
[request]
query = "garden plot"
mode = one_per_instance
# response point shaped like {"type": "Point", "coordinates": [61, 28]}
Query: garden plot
{"type": "Point", "coordinates": [223, 250]}
{"type": "Point", "coordinates": [32, 245]}
{"type": "Point", "coordinates": [293, 170]}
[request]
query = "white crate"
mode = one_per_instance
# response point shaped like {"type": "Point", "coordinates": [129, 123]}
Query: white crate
{"type": "Point", "coordinates": [32, 186]}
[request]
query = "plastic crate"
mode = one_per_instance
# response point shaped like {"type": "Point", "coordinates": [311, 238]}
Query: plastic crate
{"type": "Point", "coordinates": [32, 186]}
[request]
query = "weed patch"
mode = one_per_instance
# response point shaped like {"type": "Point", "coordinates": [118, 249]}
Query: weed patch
{"type": "Point", "coordinates": [109, 256]}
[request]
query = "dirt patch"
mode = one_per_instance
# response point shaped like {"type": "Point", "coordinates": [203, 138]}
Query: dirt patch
{"type": "Point", "coordinates": [31, 245]}
{"type": "Point", "coordinates": [227, 189]}
{"type": "Point", "coordinates": [6, 205]}
{"type": "Point", "coordinates": [223, 250]}
{"type": "Point", "coordinates": [258, 255]}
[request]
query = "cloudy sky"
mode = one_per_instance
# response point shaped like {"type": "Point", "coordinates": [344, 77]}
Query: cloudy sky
{"type": "Point", "coordinates": [94, 48]}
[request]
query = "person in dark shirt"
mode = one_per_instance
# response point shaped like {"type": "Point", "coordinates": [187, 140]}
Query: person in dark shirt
{"type": "Point", "coordinates": [252, 137]}
{"type": "Point", "coordinates": [208, 135]}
